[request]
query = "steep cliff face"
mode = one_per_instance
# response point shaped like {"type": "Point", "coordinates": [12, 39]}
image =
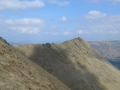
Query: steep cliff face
{"type": "Point", "coordinates": [19, 73]}
{"type": "Point", "coordinates": [75, 63]}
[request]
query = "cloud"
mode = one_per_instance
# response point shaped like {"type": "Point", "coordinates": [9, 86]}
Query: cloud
{"type": "Point", "coordinates": [25, 21]}
{"type": "Point", "coordinates": [114, 2]}
{"type": "Point", "coordinates": [1, 19]}
{"type": "Point", "coordinates": [18, 4]}
{"type": "Point", "coordinates": [26, 25]}
{"type": "Point", "coordinates": [114, 32]}
{"type": "Point", "coordinates": [67, 33]}
{"type": "Point", "coordinates": [29, 30]}
{"type": "Point", "coordinates": [58, 2]}
{"type": "Point", "coordinates": [95, 15]}
{"type": "Point", "coordinates": [81, 32]}
{"type": "Point", "coordinates": [106, 25]}
{"type": "Point", "coordinates": [52, 33]}
{"type": "Point", "coordinates": [53, 27]}
{"type": "Point", "coordinates": [115, 19]}
{"type": "Point", "coordinates": [64, 19]}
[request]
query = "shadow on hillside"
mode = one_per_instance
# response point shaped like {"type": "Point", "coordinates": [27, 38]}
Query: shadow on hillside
{"type": "Point", "coordinates": [56, 61]}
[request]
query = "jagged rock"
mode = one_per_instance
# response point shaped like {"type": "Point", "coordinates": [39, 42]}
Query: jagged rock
{"type": "Point", "coordinates": [48, 44]}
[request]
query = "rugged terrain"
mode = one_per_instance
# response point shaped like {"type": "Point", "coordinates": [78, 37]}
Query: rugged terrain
{"type": "Point", "coordinates": [19, 73]}
{"type": "Point", "coordinates": [109, 49]}
{"type": "Point", "coordinates": [75, 63]}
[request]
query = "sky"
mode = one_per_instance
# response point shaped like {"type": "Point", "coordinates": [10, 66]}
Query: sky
{"type": "Point", "coordinates": [42, 21]}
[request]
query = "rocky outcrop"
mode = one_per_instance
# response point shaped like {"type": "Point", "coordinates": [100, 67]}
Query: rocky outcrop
{"type": "Point", "coordinates": [3, 40]}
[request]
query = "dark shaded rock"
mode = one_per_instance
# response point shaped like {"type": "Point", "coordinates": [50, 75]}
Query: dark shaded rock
{"type": "Point", "coordinates": [48, 44]}
{"type": "Point", "coordinates": [3, 40]}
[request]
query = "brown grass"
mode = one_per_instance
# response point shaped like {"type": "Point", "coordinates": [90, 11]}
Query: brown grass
{"type": "Point", "coordinates": [75, 63]}
{"type": "Point", "coordinates": [19, 73]}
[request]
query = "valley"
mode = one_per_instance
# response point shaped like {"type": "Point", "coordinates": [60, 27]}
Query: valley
{"type": "Point", "coordinates": [109, 49]}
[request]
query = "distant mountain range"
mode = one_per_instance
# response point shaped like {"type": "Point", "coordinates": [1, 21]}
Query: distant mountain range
{"type": "Point", "coordinates": [109, 49]}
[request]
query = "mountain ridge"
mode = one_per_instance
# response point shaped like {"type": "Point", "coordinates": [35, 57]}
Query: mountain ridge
{"type": "Point", "coordinates": [75, 63]}
{"type": "Point", "coordinates": [19, 73]}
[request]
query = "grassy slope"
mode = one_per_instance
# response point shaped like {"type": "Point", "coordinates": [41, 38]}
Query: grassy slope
{"type": "Point", "coordinates": [19, 73]}
{"type": "Point", "coordinates": [75, 63]}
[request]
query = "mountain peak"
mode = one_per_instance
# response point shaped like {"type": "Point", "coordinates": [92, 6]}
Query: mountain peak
{"type": "Point", "coordinates": [75, 39]}
{"type": "Point", "coordinates": [75, 63]}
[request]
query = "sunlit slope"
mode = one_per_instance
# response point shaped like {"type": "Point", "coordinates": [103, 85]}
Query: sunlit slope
{"type": "Point", "coordinates": [19, 73]}
{"type": "Point", "coordinates": [75, 63]}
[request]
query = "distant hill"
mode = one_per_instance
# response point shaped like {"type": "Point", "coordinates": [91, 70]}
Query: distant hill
{"type": "Point", "coordinates": [109, 49]}
{"type": "Point", "coordinates": [75, 63]}
{"type": "Point", "coordinates": [19, 73]}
